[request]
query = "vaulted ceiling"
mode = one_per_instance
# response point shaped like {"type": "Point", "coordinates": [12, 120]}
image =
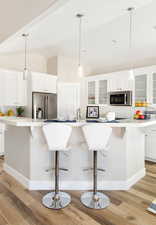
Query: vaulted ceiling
{"type": "Point", "coordinates": [14, 14]}
{"type": "Point", "coordinates": [105, 33]}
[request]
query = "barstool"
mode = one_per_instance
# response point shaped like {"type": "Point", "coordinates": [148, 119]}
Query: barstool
{"type": "Point", "coordinates": [57, 137]}
{"type": "Point", "coordinates": [97, 137]}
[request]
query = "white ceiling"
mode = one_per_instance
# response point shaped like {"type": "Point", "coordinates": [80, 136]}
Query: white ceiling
{"type": "Point", "coordinates": [104, 21]}
{"type": "Point", "coordinates": [15, 14]}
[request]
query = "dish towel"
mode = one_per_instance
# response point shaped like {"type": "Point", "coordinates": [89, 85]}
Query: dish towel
{"type": "Point", "coordinates": [152, 207]}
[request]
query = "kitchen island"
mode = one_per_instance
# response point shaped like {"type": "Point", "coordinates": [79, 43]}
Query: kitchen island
{"type": "Point", "coordinates": [28, 160]}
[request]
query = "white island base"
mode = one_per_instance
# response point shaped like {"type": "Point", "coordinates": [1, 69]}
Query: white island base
{"type": "Point", "coordinates": [27, 159]}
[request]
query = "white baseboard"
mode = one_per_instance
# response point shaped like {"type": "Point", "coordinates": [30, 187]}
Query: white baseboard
{"type": "Point", "coordinates": [18, 176]}
{"type": "Point", "coordinates": [74, 185]}
{"type": "Point", "coordinates": [150, 159]}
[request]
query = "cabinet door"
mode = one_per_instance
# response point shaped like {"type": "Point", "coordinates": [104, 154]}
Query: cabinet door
{"type": "Point", "coordinates": [2, 88]}
{"type": "Point", "coordinates": [68, 100]}
{"type": "Point", "coordinates": [153, 95]}
{"type": "Point", "coordinates": [11, 88]}
{"type": "Point", "coordinates": [91, 92]}
{"type": "Point", "coordinates": [50, 83]}
{"type": "Point", "coordinates": [102, 93]}
{"type": "Point", "coordinates": [42, 82]}
{"type": "Point", "coordinates": [150, 150]}
{"type": "Point", "coordinates": [120, 84]}
{"type": "Point", "coordinates": [141, 87]}
{"type": "Point", "coordinates": [38, 82]}
{"type": "Point", "coordinates": [1, 142]}
{"type": "Point", "coordinates": [22, 91]}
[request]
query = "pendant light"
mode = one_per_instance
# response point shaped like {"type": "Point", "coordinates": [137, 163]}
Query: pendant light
{"type": "Point", "coordinates": [80, 67]}
{"type": "Point", "coordinates": [25, 71]}
{"type": "Point", "coordinates": [131, 72]}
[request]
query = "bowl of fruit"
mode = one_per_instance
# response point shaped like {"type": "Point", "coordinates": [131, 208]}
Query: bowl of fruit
{"type": "Point", "coordinates": [139, 115]}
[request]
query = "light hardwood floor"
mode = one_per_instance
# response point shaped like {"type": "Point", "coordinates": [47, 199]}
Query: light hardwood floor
{"type": "Point", "coordinates": [22, 207]}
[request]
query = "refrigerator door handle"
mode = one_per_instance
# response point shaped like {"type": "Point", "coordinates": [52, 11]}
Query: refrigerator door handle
{"type": "Point", "coordinates": [44, 113]}
{"type": "Point", "coordinates": [47, 108]}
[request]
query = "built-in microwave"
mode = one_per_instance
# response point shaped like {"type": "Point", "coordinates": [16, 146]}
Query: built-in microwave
{"type": "Point", "coordinates": [120, 98]}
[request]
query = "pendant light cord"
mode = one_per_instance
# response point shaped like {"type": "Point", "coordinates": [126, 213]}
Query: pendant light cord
{"type": "Point", "coordinates": [130, 30]}
{"type": "Point", "coordinates": [130, 10]}
{"type": "Point", "coordinates": [25, 66]}
{"type": "Point", "coordinates": [80, 36]}
{"type": "Point", "coordinates": [25, 50]}
{"type": "Point", "coordinates": [79, 16]}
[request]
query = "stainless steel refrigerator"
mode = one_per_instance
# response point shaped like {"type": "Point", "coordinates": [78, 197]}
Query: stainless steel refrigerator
{"type": "Point", "coordinates": [44, 105]}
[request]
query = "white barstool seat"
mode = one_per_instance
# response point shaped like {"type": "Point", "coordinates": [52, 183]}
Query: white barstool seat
{"type": "Point", "coordinates": [97, 137]}
{"type": "Point", "coordinates": [57, 137]}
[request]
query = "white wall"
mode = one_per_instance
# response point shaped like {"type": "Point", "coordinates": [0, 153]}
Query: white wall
{"type": "Point", "coordinates": [36, 62]}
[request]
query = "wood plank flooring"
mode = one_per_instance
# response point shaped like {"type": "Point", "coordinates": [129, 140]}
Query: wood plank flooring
{"type": "Point", "coordinates": [19, 206]}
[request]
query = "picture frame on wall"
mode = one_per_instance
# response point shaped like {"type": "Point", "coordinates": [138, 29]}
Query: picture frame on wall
{"type": "Point", "coordinates": [92, 112]}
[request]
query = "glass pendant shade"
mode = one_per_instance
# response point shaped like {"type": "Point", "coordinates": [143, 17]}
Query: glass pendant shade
{"type": "Point", "coordinates": [131, 75]}
{"type": "Point", "coordinates": [25, 74]}
{"type": "Point", "coordinates": [80, 71]}
{"type": "Point", "coordinates": [80, 67]}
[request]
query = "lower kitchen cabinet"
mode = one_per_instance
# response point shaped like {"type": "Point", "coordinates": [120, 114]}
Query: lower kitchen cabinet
{"type": "Point", "coordinates": [150, 145]}
{"type": "Point", "coordinates": [2, 128]}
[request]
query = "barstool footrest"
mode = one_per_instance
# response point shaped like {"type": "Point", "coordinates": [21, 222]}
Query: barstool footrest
{"type": "Point", "coordinates": [98, 169]}
{"type": "Point", "coordinates": [53, 169]}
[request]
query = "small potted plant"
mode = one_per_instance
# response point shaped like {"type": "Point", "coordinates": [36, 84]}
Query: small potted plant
{"type": "Point", "coordinates": [20, 111]}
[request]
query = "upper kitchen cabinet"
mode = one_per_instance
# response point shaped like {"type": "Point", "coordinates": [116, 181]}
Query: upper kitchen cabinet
{"type": "Point", "coordinates": [141, 87]}
{"type": "Point", "coordinates": [97, 91]}
{"type": "Point", "coordinates": [122, 83]}
{"type": "Point", "coordinates": [91, 92]}
{"type": "Point", "coordinates": [14, 88]}
{"type": "Point", "coordinates": [102, 92]}
{"type": "Point", "coordinates": [153, 89]}
{"type": "Point", "coordinates": [43, 82]}
{"type": "Point", "coordinates": [68, 100]}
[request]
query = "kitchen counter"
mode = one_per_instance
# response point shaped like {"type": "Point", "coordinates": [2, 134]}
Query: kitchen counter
{"type": "Point", "coordinates": [27, 157]}
{"type": "Point", "coordinates": [28, 122]}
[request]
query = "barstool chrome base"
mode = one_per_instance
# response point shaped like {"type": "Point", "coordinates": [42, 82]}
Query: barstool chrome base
{"type": "Point", "coordinates": [98, 201]}
{"type": "Point", "coordinates": [60, 201]}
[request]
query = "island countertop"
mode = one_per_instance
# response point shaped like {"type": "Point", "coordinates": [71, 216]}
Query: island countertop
{"type": "Point", "coordinates": [28, 122]}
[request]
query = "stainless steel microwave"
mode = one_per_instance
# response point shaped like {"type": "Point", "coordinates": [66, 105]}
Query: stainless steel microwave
{"type": "Point", "coordinates": [120, 98]}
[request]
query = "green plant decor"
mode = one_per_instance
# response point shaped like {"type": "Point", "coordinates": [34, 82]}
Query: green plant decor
{"type": "Point", "coordinates": [20, 111]}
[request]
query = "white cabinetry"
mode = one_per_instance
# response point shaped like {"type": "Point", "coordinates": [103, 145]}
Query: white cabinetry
{"type": "Point", "coordinates": [150, 149]}
{"type": "Point", "coordinates": [68, 100]}
{"type": "Point", "coordinates": [44, 82]}
{"type": "Point", "coordinates": [2, 88]}
{"type": "Point", "coordinates": [92, 87]}
{"type": "Point", "coordinates": [97, 91]}
{"type": "Point", "coordinates": [2, 127]}
{"type": "Point", "coordinates": [153, 88]}
{"type": "Point", "coordinates": [102, 92]}
{"type": "Point", "coordinates": [120, 84]}
{"type": "Point", "coordinates": [141, 88]}
{"type": "Point", "coordinates": [14, 89]}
